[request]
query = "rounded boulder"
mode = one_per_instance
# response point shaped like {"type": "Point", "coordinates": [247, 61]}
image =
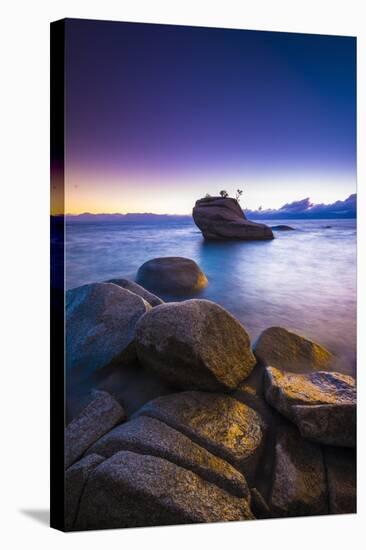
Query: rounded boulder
{"type": "Point", "coordinates": [171, 274]}
{"type": "Point", "coordinates": [100, 326]}
{"type": "Point", "coordinates": [194, 344]}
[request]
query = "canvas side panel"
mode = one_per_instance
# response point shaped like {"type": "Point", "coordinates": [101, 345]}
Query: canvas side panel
{"type": "Point", "coordinates": [57, 275]}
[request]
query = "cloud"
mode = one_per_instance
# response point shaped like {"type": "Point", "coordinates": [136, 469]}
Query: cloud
{"type": "Point", "coordinates": [306, 209]}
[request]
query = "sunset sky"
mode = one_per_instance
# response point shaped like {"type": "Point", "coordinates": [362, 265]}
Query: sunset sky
{"type": "Point", "coordinates": [157, 116]}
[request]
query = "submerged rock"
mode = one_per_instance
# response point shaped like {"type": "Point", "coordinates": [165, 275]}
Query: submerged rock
{"type": "Point", "coordinates": [135, 490]}
{"type": "Point", "coordinates": [299, 479]}
{"type": "Point", "coordinates": [195, 344]}
{"type": "Point", "coordinates": [150, 436]}
{"type": "Point", "coordinates": [100, 416]}
{"type": "Point", "coordinates": [75, 479]}
{"type": "Point", "coordinates": [222, 218]}
{"type": "Point", "coordinates": [321, 404]}
{"type": "Point", "coordinates": [285, 350]}
{"type": "Point", "coordinates": [100, 326]}
{"type": "Point", "coordinates": [221, 424]}
{"type": "Point", "coordinates": [172, 274]}
{"type": "Point", "coordinates": [139, 290]}
{"type": "Point", "coordinates": [282, 227]}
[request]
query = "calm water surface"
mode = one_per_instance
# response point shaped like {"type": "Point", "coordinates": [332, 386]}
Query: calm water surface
{"type": "Point", "coordinates": [304, 280]}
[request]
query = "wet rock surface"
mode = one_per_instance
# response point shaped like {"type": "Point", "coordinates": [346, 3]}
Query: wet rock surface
{"type": "Point", "coordinates": [194, 344]}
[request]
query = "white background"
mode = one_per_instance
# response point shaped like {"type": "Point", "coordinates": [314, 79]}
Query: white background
{"type": "Point", "coordinates": [24, 298]}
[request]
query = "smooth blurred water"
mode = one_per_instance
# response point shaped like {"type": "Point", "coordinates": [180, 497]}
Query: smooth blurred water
{"type": "Point", "coordinates": [304, 280]}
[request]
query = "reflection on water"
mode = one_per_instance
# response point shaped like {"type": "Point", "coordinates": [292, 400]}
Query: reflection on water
{"type": "Point", "coordinates": [304, 280]}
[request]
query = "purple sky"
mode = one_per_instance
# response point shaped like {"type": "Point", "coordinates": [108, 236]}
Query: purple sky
{"type": "Point", "coordinates": [157, 116]}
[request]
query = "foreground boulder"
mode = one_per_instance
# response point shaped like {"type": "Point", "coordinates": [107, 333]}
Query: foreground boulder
{"type": "Point", "coordinates": [321, 404]}
{"type": "Point", "coordinates": [280, 348]}
{"type": "Point", "coordinates": [75, 479]}
{"type": "Point", "coordinates": [194, 344]}
{"type": "Point", "coordinates": [221, 424]}
{"type": "Point", "coordinates": [299, 478]}
{"type": "Point", "coordinates": [147, 435]}
{"type": "Point", "coordinates": [222, 218]}
{"type": "Point", "coordinates": [100, 416]}
{"type": "Point", "coordinates": [149, 297]}
{"type": "Point", "coordinates": [340, 466]}
{"type": "Point", "coordinates": [172, 274]}
{"type": "Point", "coordinates": [135, 490]}
{"type": "Point", "coordinates": [100, 326]}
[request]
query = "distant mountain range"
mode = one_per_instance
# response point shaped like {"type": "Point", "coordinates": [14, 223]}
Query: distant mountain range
{"type": "Point", "coordinates": [133, 217]}
{"type": "Point", "coordinates": [303, 209]}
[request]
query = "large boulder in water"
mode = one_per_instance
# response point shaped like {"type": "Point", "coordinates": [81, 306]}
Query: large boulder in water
{"type": "Point", "coordinates": [195, 344]}
{"type": "Point", "coordinates": [150, 436]}
{"type": "Point", "coordinates": [137, 490]}
{"type": "Point", "coordinates": [285, 350]}
{"type": "Point", "coordinates": [224, 426]}
{"type": "Point", "coordinates": [222, 218]}
{"type": "Point", "coordinates": [171, 274]}
{"type": "Point", "coordinates": [100, 326]}
{"type": "Point", "coordinates": [321, 404]}
{"type": "Point", "coordinates": [139, 290]}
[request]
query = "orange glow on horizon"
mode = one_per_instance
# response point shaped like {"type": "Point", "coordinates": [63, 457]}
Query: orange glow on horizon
{"type": "Point", "coordinates": [171, 195]}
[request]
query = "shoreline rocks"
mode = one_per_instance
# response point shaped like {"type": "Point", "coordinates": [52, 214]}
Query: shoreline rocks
{"type": "Point", "coordinates": [286, 350]}
{"type": "Point", "coordinates": [195, 344]}
{"type": "Point", "coordinates": [98, 417]}
{"type": "Point", "coordinates": [222, 218]}
{"type": "Point", "coordinates": [135, 490]}
{"type": "Point", "coordinates": [299, 479]}
{"type": "Point", "coordinates": [100, 326]}
{"type": "Point", "coordinates": [247, 440]}
{"type": "Point", "coordinates": [340, 465]}
{"type": "Point", "coordinates": [321, 404]}
{"type": "Point", "coordinates": [172, 274]}
{"type": "Point", "coordinates": [219, 423]}
{"type": "Point", "coordinates": [139, 290]}
{"type": "Point", "coordinates": [146, 435]}
{"type": "Point", "coordinates": [75, 480]}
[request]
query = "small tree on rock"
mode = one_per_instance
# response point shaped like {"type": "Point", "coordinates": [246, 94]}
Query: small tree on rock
{"type": "Point", "coordinates": [224, 194]}
{"type": "Point", "coordinates": [239, 193]}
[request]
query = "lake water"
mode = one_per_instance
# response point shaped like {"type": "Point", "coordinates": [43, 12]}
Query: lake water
{"type": "Point", "coordinates": [304, 280]}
